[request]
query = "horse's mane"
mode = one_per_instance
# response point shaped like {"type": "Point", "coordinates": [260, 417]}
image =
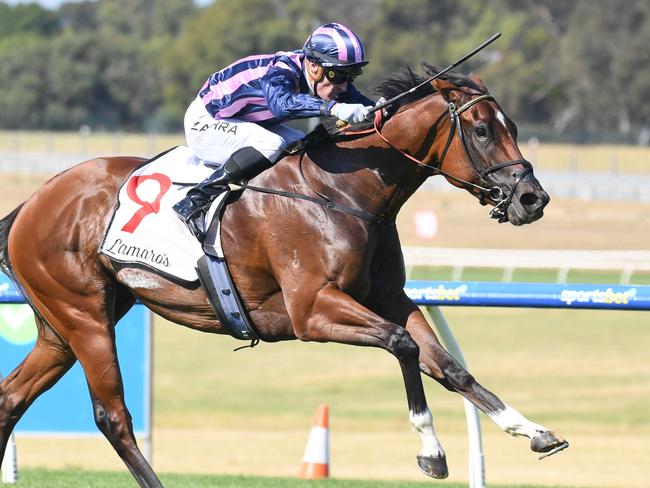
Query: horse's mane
{"type": "Point", "coordinates": [405, 79]}
{"type": "Point", "coordinates": [394, 84]}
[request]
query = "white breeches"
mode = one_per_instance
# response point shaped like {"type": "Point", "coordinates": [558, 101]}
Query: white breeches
{"type": "Point", "coordinates": [215, 140]}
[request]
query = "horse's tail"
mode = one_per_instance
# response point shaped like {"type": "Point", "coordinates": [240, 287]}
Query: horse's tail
{"type": "Point", "coordinates": [5, 227]}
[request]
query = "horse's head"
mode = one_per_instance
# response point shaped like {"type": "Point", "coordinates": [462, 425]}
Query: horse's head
{"type": "Point", "coordinates": [486, 154]}
{"type": "Point", "coordinates": [460, 130]}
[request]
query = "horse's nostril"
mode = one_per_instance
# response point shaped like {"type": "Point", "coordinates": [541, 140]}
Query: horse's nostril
{"type": "Point", "coordinates": [529, 199]}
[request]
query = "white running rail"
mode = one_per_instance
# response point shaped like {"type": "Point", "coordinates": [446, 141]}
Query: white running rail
{"type": "Point", "coordinates": [626, 262]}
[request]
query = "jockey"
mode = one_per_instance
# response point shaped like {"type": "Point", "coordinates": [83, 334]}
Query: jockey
{"type": "Point", "coordinates": [235, 123]}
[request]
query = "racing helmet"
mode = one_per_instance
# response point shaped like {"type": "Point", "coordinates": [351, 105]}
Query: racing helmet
{"type": "Point", "coordinates": [335, 46]}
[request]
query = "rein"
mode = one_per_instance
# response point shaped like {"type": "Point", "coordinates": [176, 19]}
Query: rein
{"type": "Point", "coordinates": [495, 193]}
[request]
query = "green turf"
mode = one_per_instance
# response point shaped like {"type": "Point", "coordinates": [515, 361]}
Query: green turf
{"type": "Point", "coordinates": [106, 479]}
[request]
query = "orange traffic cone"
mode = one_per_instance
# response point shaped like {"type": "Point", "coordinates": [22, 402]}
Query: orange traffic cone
{"type": "Point", "coordinates": [316, 461]}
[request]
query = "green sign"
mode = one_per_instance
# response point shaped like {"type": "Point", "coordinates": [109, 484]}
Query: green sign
{"type": "Point", "coordinates": [17, 324]}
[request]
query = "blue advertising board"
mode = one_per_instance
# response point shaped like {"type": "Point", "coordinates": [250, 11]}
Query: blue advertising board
{"type": "Point", "coordinates": [66, 408]}
{"type": "Point", "coordinates": [536, 295]}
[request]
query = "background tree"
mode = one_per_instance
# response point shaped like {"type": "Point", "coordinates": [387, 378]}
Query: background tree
{"type": "Point", "coordinates": [30, 18]}
{"type": "Point", "coordinates": [578, 69]}
{"type": "Point", "coordinates": [222, 33]}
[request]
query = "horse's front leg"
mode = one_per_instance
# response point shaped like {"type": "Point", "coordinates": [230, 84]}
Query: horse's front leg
{"type": "Point", "coordinates": [332, 315]}
{"type": "Point", "coordinates": [437, 363]}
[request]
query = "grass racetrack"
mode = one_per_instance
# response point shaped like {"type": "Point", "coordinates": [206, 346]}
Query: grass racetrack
{"type": "Point", "coordinates": [220, 414]}
{"type": "Point", "coordinates": [104, 479]}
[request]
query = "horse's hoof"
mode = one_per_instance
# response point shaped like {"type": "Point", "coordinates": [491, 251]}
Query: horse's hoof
{"type": "Point", "coordinates": [548, 444]}
{"type": "Point", "coordinates": [436, 467]}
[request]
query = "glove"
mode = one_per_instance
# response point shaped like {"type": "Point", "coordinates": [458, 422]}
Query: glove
{"type": "Point", "coordinates": [352, 113]}
{"type": "Point", "coordinates": [388, 110]}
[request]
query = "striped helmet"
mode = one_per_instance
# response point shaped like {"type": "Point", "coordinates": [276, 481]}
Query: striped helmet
{"type": "Point", "coordinates": [334, 45]}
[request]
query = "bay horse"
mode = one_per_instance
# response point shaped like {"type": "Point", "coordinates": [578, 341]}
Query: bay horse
{"type": "Point", "coordinates": [331, 272]}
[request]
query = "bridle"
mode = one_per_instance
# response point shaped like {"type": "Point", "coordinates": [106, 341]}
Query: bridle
{"type": "Point", "coordinates": [495, 193]}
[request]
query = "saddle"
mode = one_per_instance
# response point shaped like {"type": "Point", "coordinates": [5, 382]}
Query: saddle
{"type": "Point", "coordinates": [145, 232]}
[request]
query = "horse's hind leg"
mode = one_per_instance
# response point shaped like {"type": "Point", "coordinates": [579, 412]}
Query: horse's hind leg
{"type": "Point", "coordinates": [86, 322]}
{"type": "Point", "coordinates": [43, 367]}
{"type": "Point", "coordinates": [94, 346]}
{"type": "Point", "coordinates": [98, 357]}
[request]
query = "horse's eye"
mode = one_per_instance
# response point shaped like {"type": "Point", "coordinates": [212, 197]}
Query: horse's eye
{"type": "Point", "coordinates": [481, 132]}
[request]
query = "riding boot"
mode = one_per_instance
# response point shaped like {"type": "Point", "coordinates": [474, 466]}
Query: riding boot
{"type": "Point", "coordinates": [243, 164]}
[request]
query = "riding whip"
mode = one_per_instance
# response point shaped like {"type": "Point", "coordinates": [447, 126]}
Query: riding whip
{"type": "Point", "coordinates": [468, 55]}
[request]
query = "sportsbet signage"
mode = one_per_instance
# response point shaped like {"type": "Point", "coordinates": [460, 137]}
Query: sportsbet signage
{"type": "Point", "coordinates": [67, 408]}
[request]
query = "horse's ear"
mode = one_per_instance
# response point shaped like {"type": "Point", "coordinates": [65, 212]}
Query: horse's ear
{"type": "Point", "coordinates": [477, 79]}
{"type": "Point", "coordinates": [447, 89]}
{"type": "Point", "coordinates": [443, 85]}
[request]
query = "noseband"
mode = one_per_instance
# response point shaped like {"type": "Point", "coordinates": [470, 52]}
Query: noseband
{"type": "Point", "coordinates": [495, 193]}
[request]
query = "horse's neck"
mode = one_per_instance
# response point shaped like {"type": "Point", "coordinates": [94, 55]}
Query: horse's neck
{"type": "Point", "coordinates": [364, 174]}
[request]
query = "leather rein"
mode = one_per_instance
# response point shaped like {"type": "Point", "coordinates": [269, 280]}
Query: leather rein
{"type": "Point", "coordinates": [495, 193]}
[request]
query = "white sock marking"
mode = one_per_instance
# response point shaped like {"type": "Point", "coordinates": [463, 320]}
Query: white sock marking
{"type": "Point", "coordinates": [516, 424]}
{"type": "Point", "coordinates": [423, 424]}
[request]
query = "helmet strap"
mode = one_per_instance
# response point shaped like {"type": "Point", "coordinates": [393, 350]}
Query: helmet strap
{"type": "Point", "coordinates": [320, 74]}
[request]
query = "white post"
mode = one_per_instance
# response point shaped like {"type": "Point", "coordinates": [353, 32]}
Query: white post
{"type": "Point", "coordinates": [9, 465]}
{"type": "Point", "coordinates": [148, 442]}
{"type": "Point", "coordinates": [10, 462]}
{"type": "Point", "coordinates": [476, 457]}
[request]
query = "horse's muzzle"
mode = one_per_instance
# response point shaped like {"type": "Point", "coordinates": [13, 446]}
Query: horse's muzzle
{"type": "Point", "coordinates": [528, 202]}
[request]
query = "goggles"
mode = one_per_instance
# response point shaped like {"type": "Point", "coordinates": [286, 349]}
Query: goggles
{"type": "Point", "coordinates": [337, 76]}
